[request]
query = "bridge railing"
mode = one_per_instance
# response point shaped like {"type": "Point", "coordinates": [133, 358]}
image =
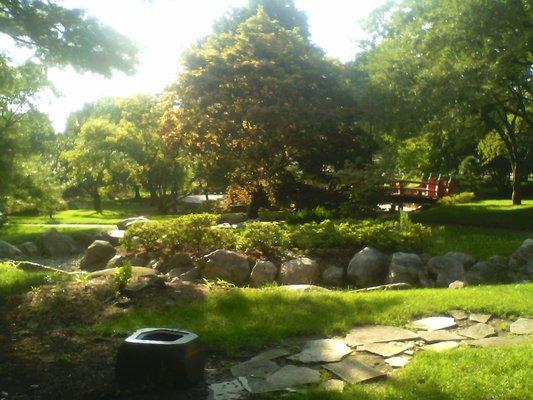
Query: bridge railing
{"type": "Point", "coordinates": [430, 189]}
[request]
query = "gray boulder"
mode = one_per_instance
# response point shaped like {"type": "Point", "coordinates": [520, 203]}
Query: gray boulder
{"type": "Point", "coordinates": [522, 255]}
{"type": "Point", "coordinates": [192, 275]}
{"type": "Point", "coordinates": [115, 236]}
{"type": "Point", "coordinates": [84, 239]}
{"type": "Point", "coordinates": [445, 270]}
{"type": "Point", "coordinates": [58, 245]}
{"type": "Point", "coordinates": [367, 268]}
{"type": "Point", "coordinates": [227, 265]}
{"type": "Point", "coordinates": [8, 251]}
{"type": "Point", "coordinates": [97, 255]}
{"type": "Point", "coordinates": [29, 248]}
{"type": "Point", "coordinates": [465, 259]}
{"type": "Point", "coordinates": [263, 272]}
{"type": "Point", "coordinates": [494, 270]}
{"type": "Point", "coordinates": [408, 268]}
{"type": "Point", "coordinates": [333, 276]}
{"type": "Point", "coordinates": [181, 261]}
{"type": "Point", "coordinates": [128, 222]}
{"type": "Point", "coordinates": [117, 260]}
{"type": "Point", "coordinates": [299, 271]}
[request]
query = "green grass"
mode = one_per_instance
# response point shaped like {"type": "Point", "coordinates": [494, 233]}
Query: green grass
{"type": "Point", "coordinates": [473, 374]}
{"type": "Point", "coordinates": [485, 213]}
{"type": "Point", "coordinates": [234, 320]}
{"type": "Point", "coordinates": [14, 281]}
{"type": "Point", "coordinates": [17, 234]}
{"type": "Point", "coordinates": [482, 243]}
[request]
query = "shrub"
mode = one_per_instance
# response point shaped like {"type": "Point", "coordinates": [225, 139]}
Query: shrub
{"type": "Point", "coordinates": [464, 197]}
{"type": "Point", "coordinates": [316, 237]}
{"type": "Point", "coordinates": [264, 237]}
{"type": "Point", "coordinates": [122, 277]}
{"type": "Point", "coordinates": [317, 214]}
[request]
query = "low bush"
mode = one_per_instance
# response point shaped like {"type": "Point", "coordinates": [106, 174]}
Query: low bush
{"type": "Point", "coordinates": [264, 237]}
{"type": "Point", "coordinates": [460, 198]}
{"type": "Point", "coordinates": [122, 277]}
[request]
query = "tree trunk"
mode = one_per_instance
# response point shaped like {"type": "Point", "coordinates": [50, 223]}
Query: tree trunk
{"type": "Point", "coordinates": [137, 191]}
{"type": "Point", "coordinates": [517, 195]}
{"type": "Point", "coordinates": [153, 196]}
{"type": "Point", "coordinates": [97, 201]}
{"type": "Point", "coordinates": [259, 199]}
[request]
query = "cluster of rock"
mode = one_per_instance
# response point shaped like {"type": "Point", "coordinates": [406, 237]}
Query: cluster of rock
{"type": "Point", "coordinates": [366, 353]}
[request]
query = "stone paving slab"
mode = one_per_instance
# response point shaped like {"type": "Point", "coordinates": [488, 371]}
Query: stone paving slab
{"type": "Point", "coordinates": [439, 336]}
{"type": "Point", "coordinates": [522, 326]}
{"type": "Point", "coordinates": [477, 331]}
{"type": "Point", "coordinates": [228, 390]}
{"type": "Point", "coordinates": [291, 375]}
{"type": "Point", "coordinates": [257, 368]}
{"type": "Point", "coordinates": [434, 323]}
{"type": "Point", "coordinates": [441, 346]}
{"type": "Point", "coordinates": [483, 318]}
{"type": "Point", "coordinates": [353, 371]}
{"type": "Point", "coordinates": [322, 350]}
{"type": "Point", "coordinates": [271, 354]}
{"type": "Point", "coordinates": [497, 341]}
{"type": "Point", "coordinates": [385, 349]}
{"type": "Point", "coordinates": [459, 315]}
{"type": "Point", "coordinates": [398, 362]}
{"type": "Point", "coordinates": [377, 334]}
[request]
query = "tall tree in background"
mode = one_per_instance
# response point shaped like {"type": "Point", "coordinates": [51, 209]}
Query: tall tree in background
{"type": "Point", "coordinates": [264, 103]}
{"type": "Point", "coordinates": [458, 66]}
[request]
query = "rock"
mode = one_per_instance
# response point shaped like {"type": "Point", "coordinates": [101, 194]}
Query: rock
{"type": "Point", "coordinates": [271, 354]}
{"type": "Point", "coordinates": [97, 255]}
{"type": "Point", "coordinates": [377, 334]}
{"type": "Point", "coordinates": [385, 349]}
{"type": "Point", "coordinates": [353, 371]}
{"type": "Point", "coordinates": [117, 260]}
{"type": "Point", "coordinates": [144, 283]}
{"type": "Point", "coordinates": [228, 390]}
{"type": "Point", "coordinates": [8, 251]}
{"type": "Point", "coordinates": [441, 346]}
{"type": "Point", "coordinates": [140, 259]}
{"type": "Point", "coordinates": [305, 288]}
{"type": "Point", "coordinates": [439, 336]}
{"type": "Point", "coordinates": [175, 273]}
{"type": "Point", "coordinates": [483, 318]}
{"type": "Point", "coordinates": [445, 270]}
{"type": "Point", "coordinates": [392, 286]}
{"type": "Point", "coordinates": [458, 315]}
{"type": "Point", "coordinates": [332, 385]}
{"type": "Point", "coordinates": [255, 368]}
{"type": "Point", "coordinates": [369, 267]}
{"type": "Point", "coordinates": [181, 260]}
{"type": "Point", "coordinates": [135, 271]}
{"type": "Point", "coordinates": [115, 236]}
{"type": "Point", "coordinates": [495, 270]}
{"type": "Point", "coordinates": [434, 323]}
{"type": "Point", "coordinates": [228, 266]}
{"type": "Point", "coordinates": [522, 326]}
{"type": "Point", "coordinates": [333, 276]}
{"type": "Point", "coordinates": [290, 376]}
{"type": "Point", "coordinates": [523, 255]}
{"type": "Point", "coordinates": [456, 285]}
{"type": "Point", "coordinates": [57, 245]}
{"type": "Point", "coordinates": [263, 272]}
{"type": "Point", "coordinates": [465, 259]}
{"type": "Point", "coordinates": [398, 362]}
{"type": "Point", "coordinates": [84, 239]}
{"type": "Point", "coordinates": [191, 275]}
{"type": "Point", "coordinates": [28, 248]}
{"type": "Point", "coordinates": [322, 350]}
{"type": "Point", "coordinates": [408, 268]}
{"type": "Point", "coordinates": [128, 222]}
{"type": "Point", "coordinates": [477, 331]}
{"type": "Point", "coordinates": [299, 271]}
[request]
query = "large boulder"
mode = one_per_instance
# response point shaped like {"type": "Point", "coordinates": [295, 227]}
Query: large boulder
{"type": "Point", "coordinates": [369, 267]}
{"type": "Point", "coordinates": [521, 262]}
{"type": "Point", "coordinates": [126, 223]}
{"type": "Point", "coordinates": [465, 259]}
{"type": "Point", "coordinates": [227, 265]}
{"type": "Point", "coordinates": [58, 245]}
{"type": "Point", "coordinates": [445, 270]}
{"type": "Point", "coordinates": [29, 248]}
{"type": "Point", "coordinates": [117, 260]}
{"type": "Point", "coordinates": [299, 271]}
{"type": "Point", "coordinates": [408, 268]}
{"type": "Point", "coordinates": [84, 239]}
{"type": "Point", "coordinates": [192, 275]}
{"type": "Point", "coordinates": [97, 255]}
{"type": "Point", "coordinates": [494, 270]}
{"type": "Point", "coordinates": [178, 261]}
{"type": "Point", "coordinates": [333, 276]}
{"type": "Point", "coordinates": [8, 251]}
{"type": "Point", "coordinates": [263, 272]}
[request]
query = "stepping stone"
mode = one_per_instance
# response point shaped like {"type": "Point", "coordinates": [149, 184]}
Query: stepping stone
{"type": "Point", "coordinates": [353, 370]}
{"type": "Point", "coordinates": [434, 323]}
{"type": "Point", "coordinates": [377, 334]}
{"type": "Point", "coordinates": [439, 336]}
{"type": "Point", "coordinates": [256, 368]}
{"type": "Point", "coordinates": [459, 315]}
{"type": "Point", "coordinates": [291, 375]}
{"type": "Point", "coordinates": [477, 331]}
{"type": "Point", "coordinates": [385, 349]}
{"type": "Point", "coordinates": [483, 318]}
{"type": "Point", "coordinates": [398, 362]}
{"type": "Point", "coordinates": [322, 350]}
{"type": "Point", "coordinates": [441, 346]}
{"type": "Point", "coordinates": [271, 354]}
{"type": "Point", "coordinates": [228, 390]}
{"type": "Point", "coordinates": [497, 341]}
{"type": "Point", "coordinates": [522, 326]}
{"type": "Point", "coordinates": [257, 385]}
{"type": "Point", "coordinates": [333, 385]}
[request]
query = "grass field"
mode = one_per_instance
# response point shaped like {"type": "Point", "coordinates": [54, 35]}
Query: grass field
{"type": "Point", "coordinates": [14, 281]}
{"type": "Point", "coordinates": [17, 234]}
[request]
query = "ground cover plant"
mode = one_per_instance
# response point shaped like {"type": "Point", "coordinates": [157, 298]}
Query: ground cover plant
{"type": "Point", "coordinates": [14, 281]}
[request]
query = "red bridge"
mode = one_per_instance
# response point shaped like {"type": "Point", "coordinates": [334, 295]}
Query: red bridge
{"type": "Point", "coordinates": [409, 191]}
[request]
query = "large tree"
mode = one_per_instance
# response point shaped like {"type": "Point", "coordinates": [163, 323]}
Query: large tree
{"type": "Point", "coordinates": [266, 104]}
{"type": "Point", "coordinates": [459, 68]}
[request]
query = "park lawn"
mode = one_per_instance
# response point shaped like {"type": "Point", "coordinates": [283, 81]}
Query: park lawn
{"type": "Point", "coordinates": [482, 243]}
{"type": "Point", "coordinates": [230, 321]}
{"type": "Point", "coordinates": [484, 213]}
{"type": "Point", "coordinates": [18, 233]}
{"type": "Point", "coordinates": [14, 281]}
{"type": "Point", "coordinates": [464, 373]}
